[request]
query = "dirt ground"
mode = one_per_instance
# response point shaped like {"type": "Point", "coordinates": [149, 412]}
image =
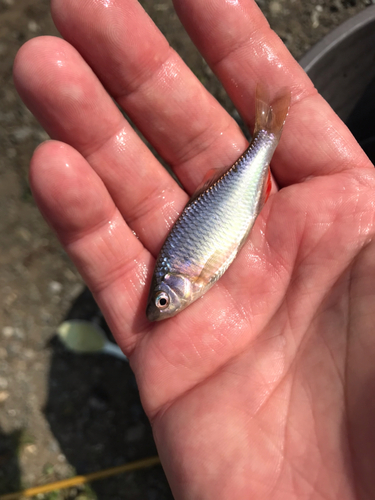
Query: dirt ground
{"type": "Point", "coordinates": [60, 413]}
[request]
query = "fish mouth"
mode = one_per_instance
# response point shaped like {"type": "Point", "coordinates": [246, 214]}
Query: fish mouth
{"type": "Point", "coordinates": [152, 312]}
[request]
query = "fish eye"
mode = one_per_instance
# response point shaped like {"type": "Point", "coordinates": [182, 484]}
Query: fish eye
{"type": "Point", "coordinates": [162, 301]}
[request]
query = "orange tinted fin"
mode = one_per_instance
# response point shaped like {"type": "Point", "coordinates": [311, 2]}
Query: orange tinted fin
{"type": "Point", "coordinates": [268, 186]}
{"type": "Point", "coordinates": [208, 180]}
{"type": "Point", "coordinates": [271, 116]}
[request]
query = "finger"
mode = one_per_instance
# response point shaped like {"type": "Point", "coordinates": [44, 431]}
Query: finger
{"type": "Point", "coordinates": [72, 105]}
{"type": "Point", "coordinates": [235, 39]}
{"type": "Point", "coordinates": [150, 81]}
{"type": "Point", "coordinates": [110, 258]}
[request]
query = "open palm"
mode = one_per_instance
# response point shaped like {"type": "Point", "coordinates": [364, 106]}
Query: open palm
{"type": "Point", "coordinates": [264, 387]}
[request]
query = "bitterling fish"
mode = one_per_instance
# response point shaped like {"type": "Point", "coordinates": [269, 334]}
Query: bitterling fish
{"type": "Point", "coordinates": [217, 220]}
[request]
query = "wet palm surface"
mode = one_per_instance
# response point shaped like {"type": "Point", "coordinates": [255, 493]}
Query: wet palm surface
{"type": "Point", "coordinates": [61, 413]}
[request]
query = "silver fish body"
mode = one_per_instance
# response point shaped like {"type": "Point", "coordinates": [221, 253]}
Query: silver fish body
{"type": "Point", "coordinates": [215, 223]}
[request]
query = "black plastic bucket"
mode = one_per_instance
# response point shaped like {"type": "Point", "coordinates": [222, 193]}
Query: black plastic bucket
{"type": "Point", "coordinates": [342, 68]}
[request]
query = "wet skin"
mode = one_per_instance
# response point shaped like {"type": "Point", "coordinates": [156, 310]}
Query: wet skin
{"type": "Point", "coordinates": [264, 387]}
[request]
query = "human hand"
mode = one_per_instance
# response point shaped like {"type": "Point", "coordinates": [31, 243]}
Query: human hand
{"type": "Point", "coordinates": [262, 388]}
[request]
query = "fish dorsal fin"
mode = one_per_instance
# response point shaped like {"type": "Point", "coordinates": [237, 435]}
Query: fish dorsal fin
{"type": "Point", "coordinates": [271, 116]}
{"type": "Point", "coordinates": [209, 179]}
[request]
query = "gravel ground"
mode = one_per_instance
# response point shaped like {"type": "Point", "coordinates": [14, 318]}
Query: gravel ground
{"type": "Point", "coordinates": [52, 427]}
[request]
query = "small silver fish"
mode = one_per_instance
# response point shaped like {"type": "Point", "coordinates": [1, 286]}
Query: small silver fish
{"type": "Point", "coordinates": [217, 220]}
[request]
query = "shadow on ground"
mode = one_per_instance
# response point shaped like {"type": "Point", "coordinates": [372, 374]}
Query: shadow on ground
{"type": "Point", "coordinates": [94, 412]}
{"type": "Point", "coordinates": [9, 467]}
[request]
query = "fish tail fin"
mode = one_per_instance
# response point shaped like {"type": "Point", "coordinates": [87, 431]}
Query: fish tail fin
{"type": "Point", "coordinates": [271, 116]}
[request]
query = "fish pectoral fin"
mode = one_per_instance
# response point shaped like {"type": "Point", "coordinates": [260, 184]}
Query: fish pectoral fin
{"type": "Point", "coordinates": [209, 179]}
{"type": "Point", "coordinates": [213, 269]}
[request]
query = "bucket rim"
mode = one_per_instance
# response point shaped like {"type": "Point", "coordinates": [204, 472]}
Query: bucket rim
{"type": "Point", "coordinates": [336, 36]}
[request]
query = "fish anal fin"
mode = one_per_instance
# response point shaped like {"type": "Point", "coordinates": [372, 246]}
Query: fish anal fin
{"type": "Point", "coordinates": [267, 186]}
